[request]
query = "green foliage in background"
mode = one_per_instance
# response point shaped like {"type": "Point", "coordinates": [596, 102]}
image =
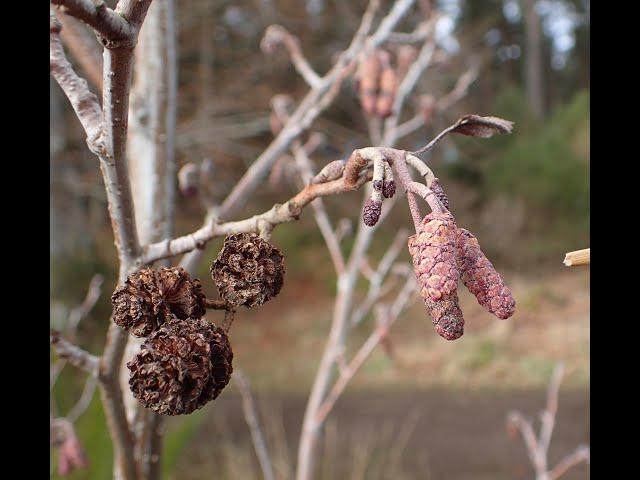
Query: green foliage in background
{"type": "Point", "coordinates": [543, 165]}
{"type": "Point", "coordinates": [547, 162]}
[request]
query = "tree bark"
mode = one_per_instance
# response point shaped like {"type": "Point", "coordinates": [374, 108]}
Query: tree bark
{"type": "Point", "coordinates": [151, 153]}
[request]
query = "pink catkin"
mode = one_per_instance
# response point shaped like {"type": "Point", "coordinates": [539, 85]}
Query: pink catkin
{"type": "Point", "coordinates": [481, 278]}
{"type": "Point", "coordinates": [433, 250]}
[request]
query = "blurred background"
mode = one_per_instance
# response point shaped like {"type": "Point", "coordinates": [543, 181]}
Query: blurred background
{"type": "Point", "coordinates": [434, 409]}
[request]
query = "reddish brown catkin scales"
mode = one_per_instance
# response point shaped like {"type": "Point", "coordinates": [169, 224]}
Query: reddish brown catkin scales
{"type": "Point", "coordinates": [432, 249]}
{"type": "Point", "coordinates": [481, 278]}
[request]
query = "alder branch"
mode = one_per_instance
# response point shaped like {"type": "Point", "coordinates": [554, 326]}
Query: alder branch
{"type": "Point", "coordinates": [407, 85]}
{"type": "Point", "coordinates": [101, 18]}
{"type": "Point", "coordinates": [549, 415]}
{"type": "Point", "coordinates": [265, 222]}
{"type": "Point", "coordinates": [581, 454]}
{"type": "Point", "coordinates": [251, 417]}
{"type": "Point", "coordinates": [538, 448]}
{"type": "Point", "coordinates": [91, 298]}
{"type": "Point", "coordinates": [524, 426]}
{"type": "Point", "coordinates": [419, 35]}
{"type": "Point", "coordinates": [311, 106]}
{"type": "Point", "coordinates": [456, 94]}
{"type": "Point", "coordinates": [85, 399]}
{"type": "Point", "coordinates": [322, 218]}
{"type": "Point", "coordinates": [83, 47]}
{"type": "Point", "coordinates": [459, 90]}
{"type": "Point", "coordinates": [275, 35]}
{"type": "Point", "coordinates": [75, 355]}
{"type": "Point", "coordinates": [375, 282]}
{"type": "Point", "coordinates": [84, 102]}
{"type": "Point", "coordinates": [365, 350]}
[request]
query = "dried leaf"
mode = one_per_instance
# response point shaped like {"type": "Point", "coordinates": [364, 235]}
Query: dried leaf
{"type": "Point", "coordinates": [483, 127]}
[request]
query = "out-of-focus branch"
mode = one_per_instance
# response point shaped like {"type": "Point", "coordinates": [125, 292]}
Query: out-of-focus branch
{"type": "Point", "coordinates": [407, 85]}
{"type": "Point", "coordinates": [81, 311]}
{"type": "Point", "coordinates": [75, 355]}
{"type": "Point", "coordinates": [251, 417]}
{"type": "Point", "coordinates": [83, 47]}
{"type": "Point", "coordinates": [517, 421]}
{"type": "Point", "coordinates": [387, 316]}
{"type": "Point", "coordinates": [548, 417]}
{"type": "Point", "coordinates": [322, 219]}
{"type": "Point", "coordinates": [84, 102]}
{"type": "Point", "coordinates": [419, 35]}
{"type": "Point", "coordinates": [581, 454]}
{"type": "Point", "coordinates": [309, 108]}
{"type": "Point", "coordinates": [314, 102]}
{"type": "Point", "coordinates": [275, 35]}
{"type": "Point", "coordinates": [538, 448]}
{"type": "Point", "coordinates": [98, 16]}
{"type": "Point", "coordinates": [85, 399]}
{"type": "Point", "coordinates": [459, 90]}
{"type": "Point", "coordinates": [375, 282]}
{"type": "Point", "coordinates": [265, 222]}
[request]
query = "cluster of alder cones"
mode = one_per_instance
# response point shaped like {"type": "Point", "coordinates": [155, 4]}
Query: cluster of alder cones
{"type": "Point", "coordinates": [186, 361]}
{"type": "Point", "coordinates": [442, 254]}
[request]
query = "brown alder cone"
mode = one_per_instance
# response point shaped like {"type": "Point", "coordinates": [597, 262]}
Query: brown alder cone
{"type": "Point", "coordinates": [249, 270]}
{"type": "Point", "coordinates": [433, 251]}
{"type": "Point", "coordinates": [149, 298]}
{"type": "Point", "coordinates": [481, 278]}
{"type": "Point", "coordinates": [181, 367]}
{"type": "Point", "coordinates": [368, 79]}
{"type": "Point", "coordinates": [387, 93]}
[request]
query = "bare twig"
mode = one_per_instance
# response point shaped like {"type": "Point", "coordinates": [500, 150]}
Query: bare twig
{"type": "Point", "coordinates": [279, 213]}
{"type": "Point", "coordinates": [389, 317]}
{"type": "Point", "coordinates": [75, 355]}
{"type": "Point", "coordinates": [101, 18]}
{"type": "Point", "coordinates": [538, 447]}
{"type": "Point", "coordinates": [85, 399]}
{"type": "Point", "coordinates": [84, 48]}
{"type": "Point", "coordinates": [81, 311]}
{"type": "Point", "coordinates": [375, 282]}
{"type": "Point", "coordinates": [251, 417]}
{"type": "Point", "coordinates": [581, 454]}
{"type": "Point", "coordinates": [84, 102]}
{"type": "Point", "coordinates": [275, 35]}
